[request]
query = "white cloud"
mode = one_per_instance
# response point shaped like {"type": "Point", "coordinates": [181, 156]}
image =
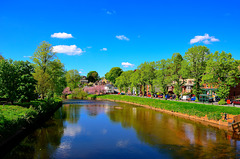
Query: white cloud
{"type": "Point", "coordinates": [206, 39]}
{"type": "Point", "coordinates": [62, 35]}
{"type": "Point", "coordinates": [27, 56]}
{"type": "Point", "coordinates": [108, 12]}
{"type": "Point", "coordinates": [127, 64]}
{"type": "Point", "coordinates": [122, 37]}
{"type": "Point", "coordinates": [89, 47]}
{"type": "Point", "coordinates": [68, 49]}
{"type": "Point", "coordinates": [103, 49]}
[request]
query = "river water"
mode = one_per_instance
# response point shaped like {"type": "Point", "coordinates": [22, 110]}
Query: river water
{"type": "Point", "coordinates": [103, 129]}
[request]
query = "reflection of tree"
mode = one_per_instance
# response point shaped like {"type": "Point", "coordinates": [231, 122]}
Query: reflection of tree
{"type": "Point", "coordinates": [187, 139]}
{"type": "Point", "coordinates": [72, 112]}
{"type": "Point", "coordinates": [94, 110]}
{"type": "Point", "coordinates": [43, 142]}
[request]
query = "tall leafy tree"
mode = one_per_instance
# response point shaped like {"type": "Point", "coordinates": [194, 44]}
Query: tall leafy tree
{"type": "Point", "coordinates": [16, 80]}
{"type": "Point", "coordinates": [222, 71]}
{"type": "Point", "coordinates": [178, 73]}
{"type": "Point", "coordinates": [92, 76]}
{"type": "Point", "coordinates": [25, 81]}
{"type": "Point", "coordinates": [114, 73]}
{"type": "Point", "coordinates": [42, 58]}
{"type": "Point", "coordinates": [123, 80]}
{"type": "Point", "coordinates": [1, 57]}
{"type": "Point", "coordinates": [147, 75]}
{"type": "Point", "coordinates": [58, 77]}
{"type": "Point", "coordinates": [197, 57]}
{"type": "Point", "coordinates": [8, 82]}
{"type": "Point", "coordinates": [135, 81]}
{"type": "Point", "coordinates": [163, 75]}
{"type": "Point", "coordinates": [73, 78]}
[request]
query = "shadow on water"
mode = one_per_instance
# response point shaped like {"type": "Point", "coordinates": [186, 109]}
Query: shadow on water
{"type": "Point", "coordinates": [102, 129]}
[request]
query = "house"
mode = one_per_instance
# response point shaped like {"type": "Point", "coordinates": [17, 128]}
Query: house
{"type": "Point", "coordinates": [109, 88]}
{"type": "Point", "coordinates": [84, 80]}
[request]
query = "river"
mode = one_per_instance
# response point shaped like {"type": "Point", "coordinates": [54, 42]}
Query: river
{"type": "Point", "coordinates": [103, 129]}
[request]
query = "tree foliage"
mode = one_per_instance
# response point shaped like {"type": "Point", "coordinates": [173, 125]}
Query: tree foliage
{"type": "Point", "coordinates": [114, 73]}
{"type": "Point", "coordinates": [196, 58]}
{"type": "Point", "coordinates": [93, 76]}
{"type": "Point", "coordinates": [135, 81]}
{"type": "Point", "coordinates": [1, 57]}
{"type": "Point", "coordinates": [73, 79]}
{"type": "Point", "coordinates": [178, 72]}
{"type": "Point", "coordinates": [222, 72]}
{"type": "Point", "coordinates": [163, 75]}
{"type": "Point", "coordinates": [147, 75]}
{"type": "Point", "coordinates": [123, 80]}
{"type": "Point", "coordinates": [17, 82]}
{"type": "Point", "coordinates": [49, 71]}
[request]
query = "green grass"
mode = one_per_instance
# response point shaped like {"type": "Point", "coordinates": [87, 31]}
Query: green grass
{"type": "Point", "coordinates": [200, 110]}
{"type": "Point", "coordinates": [92, 96]}
{"type": "Point", "coordinates": [14, 117]}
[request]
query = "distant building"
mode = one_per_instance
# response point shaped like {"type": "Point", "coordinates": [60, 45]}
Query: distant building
{"type": "Point", "coordinates": [109, 88]}
{"type": "Point", "coordinates": [84, 80]}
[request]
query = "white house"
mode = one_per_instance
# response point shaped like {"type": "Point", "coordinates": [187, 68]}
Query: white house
{"type": "Point", "coordinates": [109, 88]}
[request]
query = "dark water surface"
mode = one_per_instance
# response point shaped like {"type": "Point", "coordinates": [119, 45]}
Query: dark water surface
{"type": "Point", "coordinates": [103, 129]}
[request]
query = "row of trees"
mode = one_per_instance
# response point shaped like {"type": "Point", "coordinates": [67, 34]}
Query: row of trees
{"type": "Point", "coordinates": [46, 76]}
{"type": "Point", "coordinates": [217, 69]}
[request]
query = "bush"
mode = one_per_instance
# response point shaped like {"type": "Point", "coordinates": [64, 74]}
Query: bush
{"type": "Point", "coordinates": [79, 94]}
{"type": "Point", "coordinates": [222, 102]}
{"type": "Point", "coordinates": [14, 117]}
{"type": "Point", "coordinates": [92, 96]}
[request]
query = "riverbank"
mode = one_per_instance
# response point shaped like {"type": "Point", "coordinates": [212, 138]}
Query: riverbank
{"type": "Point", "coordinates": [17, 120]}
{"type": "Point", "coordinates": [216, 115]}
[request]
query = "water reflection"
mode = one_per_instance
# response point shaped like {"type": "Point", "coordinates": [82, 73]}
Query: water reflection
{"type": "Point", "coordinates": [43, 142]}
{"type": "Point", "coordinates": [94, 129]}
{"type": "Point", "coordinates": [182, 137]}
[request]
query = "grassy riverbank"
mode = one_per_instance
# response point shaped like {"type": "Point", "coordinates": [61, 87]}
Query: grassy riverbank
{"type": "Point", "coordinates": [194, 109]}
{"type": "Point", "coordinates": [15, 117]}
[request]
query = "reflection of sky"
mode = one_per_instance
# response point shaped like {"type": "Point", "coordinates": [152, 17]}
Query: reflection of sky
{"type": "Point", "coordinates": [189, 133]}
{"type": "Point", "coordinates": [72, 130]}
{"type": "Point", "coordinates": [122, 143]}
{"type": "Point", "coordinates": [104, 131]}
{"type": "Point", "coordinates": [211, 135]}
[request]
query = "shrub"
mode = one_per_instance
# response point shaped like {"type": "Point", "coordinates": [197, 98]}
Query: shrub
{"type": "Point", "coordinates": [79, 94]}
{"type": "Point", "coordinates": [222, 102]}
{"type": "Point", "coordinates": [92, 96]}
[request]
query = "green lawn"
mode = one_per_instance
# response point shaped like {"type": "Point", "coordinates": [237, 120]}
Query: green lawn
{"type": "Point", "coordinates": [200, 110]}
{"type": "Point", "coordinates": [14, 117]}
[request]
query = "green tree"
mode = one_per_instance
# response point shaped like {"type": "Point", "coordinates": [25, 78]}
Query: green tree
{"type": "Point", "coordinates": [197, 57]}
{"type": "Point", "coordinates": [178, 73]}
{"type": "Point", "coordinates": [16, 80]}
{"type": "Point", "coordinates": [147, 75]}
{"type": "Point", "coordinates": [92, 76]}
{"type": "Point", "coordinates": [135, 81]}
{"type": "Point", "coordinates": [114, 73]}
{"type": "Point", "coordinates": [163, 75]}
{"type": "Point", "coordinates": [25, 81]}
{"type": "Point", "coordinates": [58, 77]}
{"type": "Point", "coordinates": [1, 57]}
{"type": "Point", "coordinates": [123, 80]}
{"type": "Point", "coordinates": [8, 82]}
{"type": "Point", "coordinates": [73, 78]}
{"type": "Point", "coordinates": [222, 71]}
{"type": "Point", "coordinates": [42, 58]}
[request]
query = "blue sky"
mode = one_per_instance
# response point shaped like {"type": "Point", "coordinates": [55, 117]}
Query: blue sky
{"type": "Point", "coordinates": [101, 34]}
